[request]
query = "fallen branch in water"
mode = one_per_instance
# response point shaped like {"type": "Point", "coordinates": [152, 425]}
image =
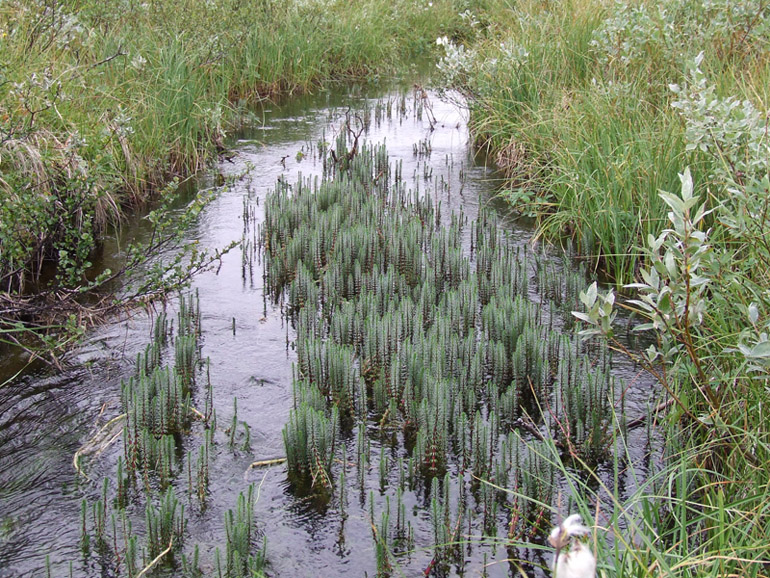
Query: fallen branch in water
{"type": "Point", "coordinates": [156, 560]}
{"type": "Point", "coordinates": [100, 442]}
{"type": "Point", "coordinates": [262, 464]}
{"type": "Point", "coordinates": [198, 414]}
{"type": "Point", "coordinates": [270, 462]}
{"type": "Point", "coordinates": [97, 445]}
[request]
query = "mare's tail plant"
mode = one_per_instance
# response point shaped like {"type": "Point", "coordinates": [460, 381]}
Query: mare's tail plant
{"type": "Point", "coordinates": [243, 558]}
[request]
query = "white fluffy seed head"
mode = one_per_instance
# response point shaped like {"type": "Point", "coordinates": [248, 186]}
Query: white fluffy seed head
{"type": "Point", "coordinates": [577, 561]}
{"type": "Point", "coordinates": [571, 526]}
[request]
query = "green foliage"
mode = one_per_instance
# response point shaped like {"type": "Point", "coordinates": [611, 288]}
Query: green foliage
{"type": "Point", "coordinates": [427, 350]}
{"type": "Point", "coordinates": [589, 142]}
{"type": "Point", "coordinates": [710, 355]}
{"type": "Point", "coordinates": [102, 105]}
{"type": "Point", "coordinates": [676, 521]}
{"type": "Point", "coordinates": [158, 429]}
{"type": "Point", "coordinates": [310, 439]}
{"type": "Point", "coordinates": [165, 526]}
{"type": "Point", "coordinates": [642, 35]}
{"type": "Point", "coordinates": [157, 404]}
{"type": "Point", "coordinates": [242, 560]}
{"type": "Point", "coordinates": [576, 105]}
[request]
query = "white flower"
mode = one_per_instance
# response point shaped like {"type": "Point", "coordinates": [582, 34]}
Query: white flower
{"type": "Point", "coordinates": [138, 62]}
{"type": "Point", "coordinates": [573, 559]}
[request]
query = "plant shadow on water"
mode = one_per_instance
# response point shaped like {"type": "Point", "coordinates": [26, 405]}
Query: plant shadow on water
{"type": "Point", "coordinates": [410, 391]}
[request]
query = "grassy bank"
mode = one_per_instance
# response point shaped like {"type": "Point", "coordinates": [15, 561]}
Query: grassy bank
{"type": "Point", "coordinates": [593, 109]}
{"type": "Point", "coordinates": [577, 101]}
{"type": "Point", "coordinates": [102, 103]}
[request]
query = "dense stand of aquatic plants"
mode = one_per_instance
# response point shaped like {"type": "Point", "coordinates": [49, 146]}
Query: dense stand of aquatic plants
{"type": "Point", "coordinates": [240, 527]}
{"type": "Point", "coordinates": [444, 352]}
{"type": "Point", "coordinates": [152, 470]}
{"type": "Point", "coordinates": [156, 400]}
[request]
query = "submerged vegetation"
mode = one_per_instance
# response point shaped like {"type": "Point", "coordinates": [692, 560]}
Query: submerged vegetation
{"type": "Point", "coordinates": [449, 356]}
{"type": "Point", "coordinates": [157, 434]}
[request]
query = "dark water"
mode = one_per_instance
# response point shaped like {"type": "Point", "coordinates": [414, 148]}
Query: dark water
{"type": "Point", "coordinates": [45, 418]}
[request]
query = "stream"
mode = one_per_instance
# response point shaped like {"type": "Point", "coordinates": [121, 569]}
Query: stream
{"type": "Point", "coordinates": [46, 417]}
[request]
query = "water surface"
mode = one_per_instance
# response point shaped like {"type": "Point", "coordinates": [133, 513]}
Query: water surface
{"type": "Point", "coordinates": [45, 417]}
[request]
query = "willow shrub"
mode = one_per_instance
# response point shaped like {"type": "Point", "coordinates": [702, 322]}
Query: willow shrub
{"type": "Point", "coordinates": [709, 314]}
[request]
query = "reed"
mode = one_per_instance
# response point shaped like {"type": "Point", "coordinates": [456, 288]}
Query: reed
{"type": "Point", "coordinates": [403, 535]}
{"type": "Point", "coordinates": [191, 566]}
{"type": "Point", "coordinates": [576, 107]}
{"type": "Point", "coordinates": [233, 429]}
{"type": "Point", "coordinates": [160, 330]}
{"type": "Point", "coordinates": [186, 358]}
{"type": "Point", "coordinates": [363, 458]}
{"type": "Point", "coordinates": [330, 369]}
{"type": "Point", "coordinates": [694, 534]}
{"type": "Point", "coordinates": [131, 552]}
{"type": "Point", "coordinates": [157, 400]}
{"type": "Point", "coordinates": [446, 527]}
{"type": "Point", "coordinates": [384, 466]}
{"type": "Point", "coordinates": [189, 315]}
{"type": "Point", "coordinates": [200, 486]}
{"type": "Point", "coordinates": [85, 537]}
{"type": "Point", "coordinates": [99, 512]}
{"type": "Point", "coordinates": [108, 521]}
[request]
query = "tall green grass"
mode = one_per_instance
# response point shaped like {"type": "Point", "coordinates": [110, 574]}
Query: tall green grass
{"type": "Point", "coordinates": [575, 100]}
{"type": "Point", "coordinates": [678, 520]}
{"type": "Point", "coordinates": [593, 108]}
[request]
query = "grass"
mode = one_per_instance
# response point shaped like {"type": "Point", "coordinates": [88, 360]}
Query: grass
{"type": "Point", "coordinates": [679, 521]}
{"type": "Point", "coordinates": [576, 104]}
